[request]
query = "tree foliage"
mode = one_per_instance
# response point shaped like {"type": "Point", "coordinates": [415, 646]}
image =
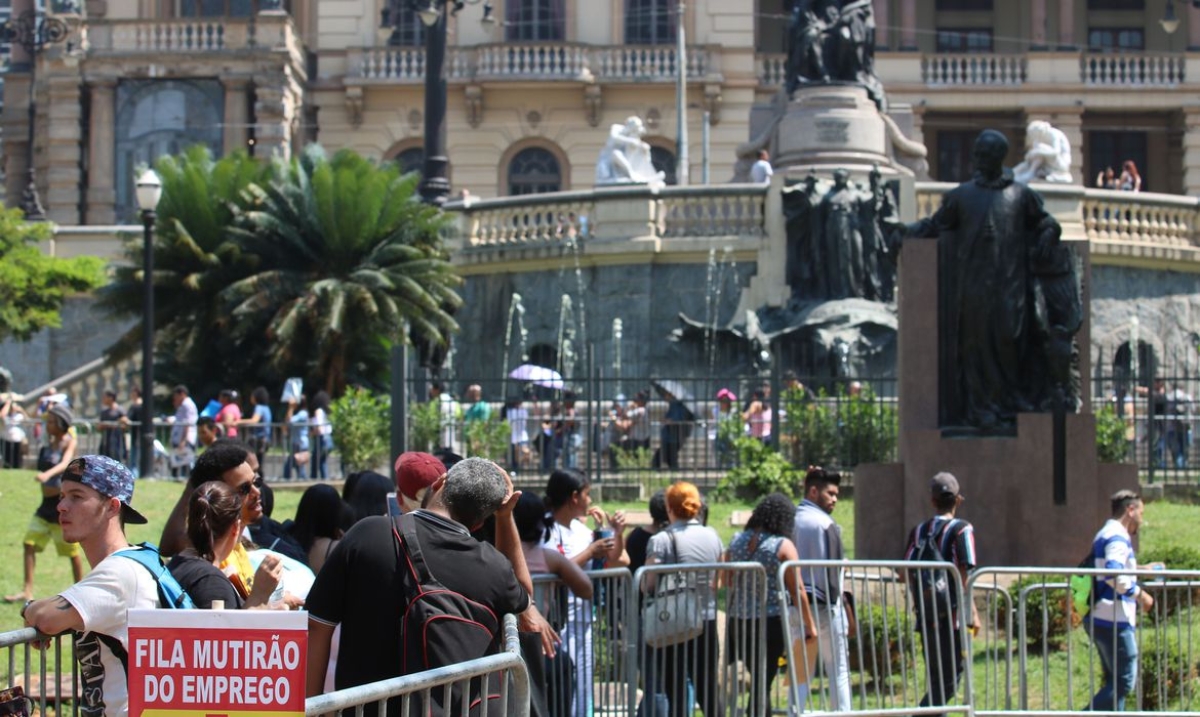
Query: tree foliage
{"type": "Point", "coordinates": [309, 267]}
{"type": "Point", "coordinates": [33, 285]}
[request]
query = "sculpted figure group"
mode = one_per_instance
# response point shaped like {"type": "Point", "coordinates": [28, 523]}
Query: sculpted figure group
{"type": "Point", "coordinates": [833, 41]}
{"type": "Point", "coordinates": [837, 239]}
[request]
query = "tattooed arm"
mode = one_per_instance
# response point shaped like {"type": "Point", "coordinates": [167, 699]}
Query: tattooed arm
{"type": "Point", "coordinates": [52, 616]}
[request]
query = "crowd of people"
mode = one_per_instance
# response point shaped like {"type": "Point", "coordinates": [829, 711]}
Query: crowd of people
{"type": "Point", "coordinates": [303, 433]}
{"type": "Point", "coordinates": [465, 525]}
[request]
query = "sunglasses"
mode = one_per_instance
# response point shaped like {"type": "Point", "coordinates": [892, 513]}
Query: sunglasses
{"type": "Point", "coordinates": [244, 488]}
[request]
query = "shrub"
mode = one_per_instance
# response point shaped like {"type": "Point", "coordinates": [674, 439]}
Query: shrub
{"type": "Point", "coordinates": [1046, 619]}
{"type": "Point", "coordinates": [361, 423]}
{"type": "Point", "coordinates": [1111, 444]}
{"type": "Point", "coordinates": [868, 429]}
{"type": "Point", "coordinates": [1166, 672]}
{"type": "Point", "coordinates": [425, 427]}
{"type": "Point", "coordinates": [487, 439]}
{"type": "Point", "coordinates": [760, 470]}
{"type": "Point", "coordinates": [809, 429]}
{"type": "Point", "coordinates": [881, 653]}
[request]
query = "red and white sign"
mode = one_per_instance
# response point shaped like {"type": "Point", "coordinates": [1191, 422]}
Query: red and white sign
{"type": "Point", "coordinates": [201, 663]}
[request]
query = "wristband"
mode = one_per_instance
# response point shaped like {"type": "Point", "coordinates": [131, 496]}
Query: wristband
{"type": "Point", "coordinates": [25, 607]}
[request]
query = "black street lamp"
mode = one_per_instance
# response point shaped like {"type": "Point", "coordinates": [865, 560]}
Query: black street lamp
{"type": "Point", "coordinates": [435, 184]}
{"type": "Point", "coordinates": [33, 30]}
{"type": "Point", "coordinates": [149, 191]}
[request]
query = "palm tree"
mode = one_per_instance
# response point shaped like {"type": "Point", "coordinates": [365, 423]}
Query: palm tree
{"type": "Point", "coordinates": [196, 256]}
{"type": "Point", "coordinates": [345, 255]}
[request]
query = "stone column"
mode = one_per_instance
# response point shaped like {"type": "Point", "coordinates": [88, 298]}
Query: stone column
{"type": "Point", "coordinates": [1191, 151]}
{"type": "Point", "coordinates": [1066, 24]}
{"type": "Point", "coordinates": [1037, 24]}
{"type": "Point", "coordinates": [64, 143]}
{"type": "Point", "coordinates": [908, 25]}
{"type": "Point", "coordinates": [1070, 121]}
{"type": "Point", "coordinates": [1193, 23]}
{"type": "Point", "coordinates": [272, 121]}
{"type": "Point", "coordinates": [883, 15]}
{"type": "Point", "coordinates": [237, 114]}
{"type": "Point", "coordinates": [101, 194]}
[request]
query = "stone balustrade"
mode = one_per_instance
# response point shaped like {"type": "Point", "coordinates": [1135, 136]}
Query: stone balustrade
{"type": "Point", "coordinates": [973, 69]}
{"type": "Point", "coordinates": [1132, 69]}
{"type": "Point", "coordinates": [192, 36]}
{"type": "Point", "coordinates": [1148, 219]}
{"type": "Point", "coordinates": [513, 221]}
{"type": "Point", "coordinates": [912, 72]}
{"type": "Point", "coordinates": [544, 61]}
{"type": "Point", "coordinates": [730, 210]}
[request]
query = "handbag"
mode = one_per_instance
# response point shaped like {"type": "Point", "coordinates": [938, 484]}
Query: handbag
{"type": "Point", "coordinates": [674, 614]}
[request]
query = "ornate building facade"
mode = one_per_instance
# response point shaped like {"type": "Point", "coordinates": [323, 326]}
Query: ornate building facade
{"type": "Point", "coordinates": [533, 85]}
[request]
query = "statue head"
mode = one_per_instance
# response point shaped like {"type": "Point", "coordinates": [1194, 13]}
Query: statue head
{"type": "Point", "coordinates": [1038, 131]}
{"type": "Point", "coordinates": [634, 127]}
{"type": "Point", "coordinates": [991, 147]}
{"type": "Point", "coordinates": [840, 178]}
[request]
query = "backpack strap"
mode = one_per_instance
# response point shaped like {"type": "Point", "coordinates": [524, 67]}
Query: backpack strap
{"type": "Point", "coordinates": [947, 535]}
{"type": "Point", "coordinates": [404, 527]}
{"type": "Point", "coordinates": [170, 592]}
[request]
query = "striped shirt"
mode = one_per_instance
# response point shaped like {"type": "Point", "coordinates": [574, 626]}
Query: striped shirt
{"type": "Point", "coordinates": [1116, 595]}
{"type": "Point", "coordinates": [956, 541]}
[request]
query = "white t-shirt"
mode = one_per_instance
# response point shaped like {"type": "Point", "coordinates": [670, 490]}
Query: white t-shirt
{"type": "Point", "coordinates": [571, 541]}
{"type": "Point", "coordinates": [517, 421]}
{"type": "Point", "coordinates": [761, 171]}
{"type": "Point", "coordinates": [102, 599]}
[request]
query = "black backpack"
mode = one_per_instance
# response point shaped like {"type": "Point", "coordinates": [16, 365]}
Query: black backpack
{"type": "Point", "coordinates": [439, 626]}
{"type": "Point", "coordinates": [930, 588]}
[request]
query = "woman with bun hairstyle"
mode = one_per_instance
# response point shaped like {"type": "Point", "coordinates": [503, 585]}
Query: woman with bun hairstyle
{"type": "Point", "coordinates": [686, 540]}
{"type": "Point", "coordinates": [214, 525]}
{"type": "Point", "coordinates": [568, 498]}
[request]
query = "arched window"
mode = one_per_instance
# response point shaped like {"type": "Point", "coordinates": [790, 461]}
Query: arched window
{"type": "Point", "coordinates": [407, 28]}
{"type": "Point", "coordinates": [411, 160]}
{"type": "Point", "coordinates": [537, 20]}
{"type": "Point", "coordinates": [160, 117]}
{"type": "Point", "coordinates": [664, 161]}
{"type": "Point", "coordinates": [650, 22]}
{"type": "Point", "coordinates": [534, 171]}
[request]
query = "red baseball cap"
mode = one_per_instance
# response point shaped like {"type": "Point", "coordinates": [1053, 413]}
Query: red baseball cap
{"type": "Point", "coordinates": [417, 471]}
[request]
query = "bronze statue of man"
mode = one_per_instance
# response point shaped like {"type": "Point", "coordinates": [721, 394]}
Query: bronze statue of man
{"type": "Point", "coordinates": [998, 250]}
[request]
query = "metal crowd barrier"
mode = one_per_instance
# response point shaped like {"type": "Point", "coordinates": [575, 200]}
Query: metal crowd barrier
{"type": "Point", "coordinates": [47, 675]}
{"type": "Point", "coordinates": [879, 649]}
{"type": "Point", "coordinates": [596, 665]}
{"type": "Point", "coordinates": [504, 674]}
{"type": "Point", "coordinates": [721, 666]}
{"type": "Point", "coordinates": [1055, 663]}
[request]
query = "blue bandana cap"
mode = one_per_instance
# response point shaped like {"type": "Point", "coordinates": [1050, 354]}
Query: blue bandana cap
{"type": "Point", "coordinates": [108, 477]}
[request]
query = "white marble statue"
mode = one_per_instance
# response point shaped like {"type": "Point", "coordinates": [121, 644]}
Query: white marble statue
{"type": "Point", "coordinates": [625, 158]}
{"type": "Point", "coordinates": [1047, 155]}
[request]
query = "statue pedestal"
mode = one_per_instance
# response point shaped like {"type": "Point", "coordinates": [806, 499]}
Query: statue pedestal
{"type": "Point", "coordinates": [1007, 481]}
{"type": "Point", "coordinates": [830, 126]}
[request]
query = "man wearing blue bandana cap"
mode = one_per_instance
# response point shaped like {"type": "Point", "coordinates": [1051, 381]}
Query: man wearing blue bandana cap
{"type": "Point", "coordinates": [93, 510]}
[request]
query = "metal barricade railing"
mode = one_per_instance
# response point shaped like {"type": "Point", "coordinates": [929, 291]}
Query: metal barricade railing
{"type": "Point", "coordinates": [898, 652]}
{"type": "Point", "coordinates": [1059, 667]}
{"type": "Point", "coordinates": [47, 675]}
{"type": "Point", "coordinates": [690, 657]}
{"type": "Point", "coordinates": [596, 665]}
{"type": "Point", "coordinates": [505, 674]}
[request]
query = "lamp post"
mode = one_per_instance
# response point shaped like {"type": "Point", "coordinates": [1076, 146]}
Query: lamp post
{"type": "Point", "coordinates": [149, 191]}
{"type": "Point", "coordinates": [33, 30]}
{"type": "Point", "coordinates": [435, 184]}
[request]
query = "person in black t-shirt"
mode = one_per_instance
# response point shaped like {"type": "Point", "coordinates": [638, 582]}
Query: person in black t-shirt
{"type": "Point", "coordinates": [639, 539]}
{"type": "Point", "coordinates": [214, 526]}
{"type": "Point", "coordinates": [361, 589]}
{"type": "Point", "coordinates": [112, 433]}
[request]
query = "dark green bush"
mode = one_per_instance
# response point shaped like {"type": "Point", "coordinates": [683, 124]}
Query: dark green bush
{"type": "Point", "coordinates": [879, 653]}
{"type": "Point", "coordinates": [760, 470]}
{"type": "Point", "coordinates": [810, 432]}
{"type": "Point", "coordinates": [1166, 673]}
{"type": "Point", "coordinates": [1046, 619]}
{"type": "Point", "coordinates": [1111, 444]}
